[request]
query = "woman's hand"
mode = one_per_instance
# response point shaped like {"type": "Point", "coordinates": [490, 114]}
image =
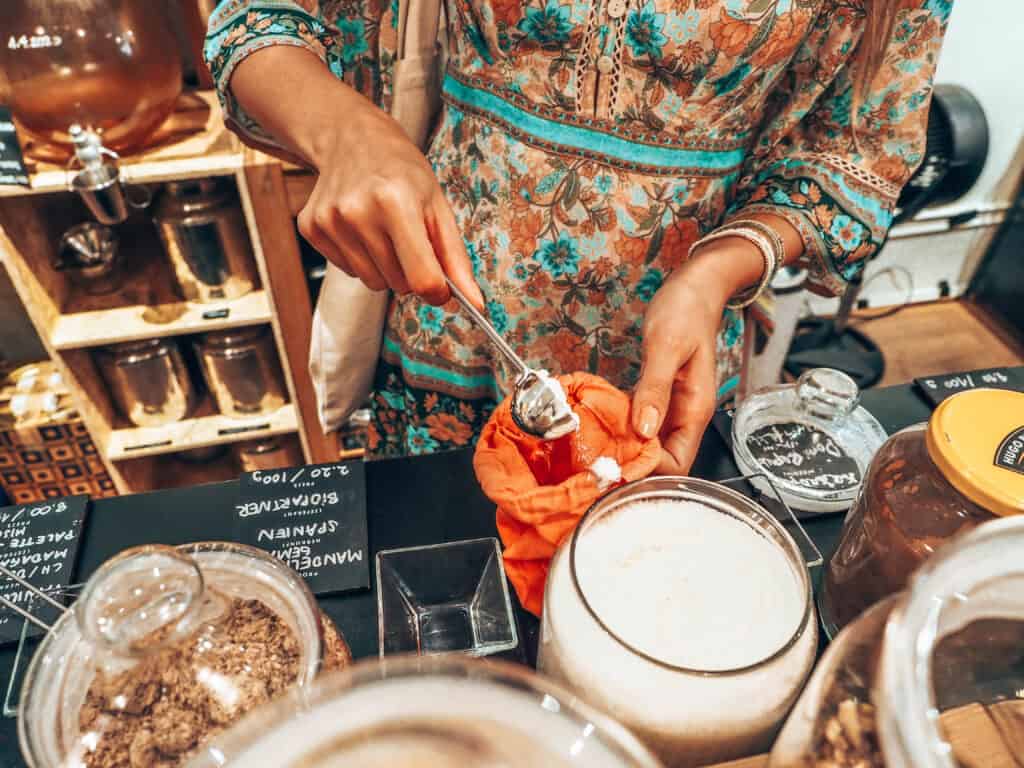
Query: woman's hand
{"type": "Point", "coordinates": [377, 210]}
{"type": "Point", "coordinates": [675, 397]}
{"type": "Point", "coordinates": [677, 392]}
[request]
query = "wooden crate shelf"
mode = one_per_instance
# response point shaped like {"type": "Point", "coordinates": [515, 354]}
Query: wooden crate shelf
{"type": "Point", "coordinates": [198, 432]}
{"type": "Point", "coordinates": [192, 143]}
{"type": "Point", "coordinates": [142, 321]}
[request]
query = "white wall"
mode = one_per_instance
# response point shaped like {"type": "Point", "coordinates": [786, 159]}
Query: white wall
{"type": "Point", "coordinates": [983, 52]}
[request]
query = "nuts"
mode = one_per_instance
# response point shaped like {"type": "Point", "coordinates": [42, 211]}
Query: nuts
{"type": "Point", "coordinates": [848, 738]}
{"type": "Point", "coordinates": [158, 711]}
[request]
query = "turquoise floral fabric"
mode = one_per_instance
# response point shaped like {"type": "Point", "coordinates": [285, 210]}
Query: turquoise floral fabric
{"type": "Point", "coordinates": [586, 144]}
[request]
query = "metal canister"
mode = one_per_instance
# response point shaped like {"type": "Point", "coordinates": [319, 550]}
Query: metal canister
{"type": "Point", "coordinates": [242, 372]}
{"type": "Point", "coordinates": [204, 234]}
{"type": "Point", "coordinates": [88, 254]}
{"type": "Point", "coordinates": [269, 453]}
{"type": "Point", "coordinates": [148, 381]}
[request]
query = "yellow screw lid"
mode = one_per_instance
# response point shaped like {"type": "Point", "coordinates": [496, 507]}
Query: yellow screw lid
{"type": "Point", "coordinates": [976, 439]}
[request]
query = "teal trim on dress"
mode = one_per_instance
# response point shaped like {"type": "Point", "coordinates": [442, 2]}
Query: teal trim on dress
{"type": "Point", "coordinates": [793, 168]}
{"type": "Point", "coordinates": [585, 139]}
{"type": "Point", "coordinates": [419, 368]}
{"type": "Point", "coordinates": [727, 387]}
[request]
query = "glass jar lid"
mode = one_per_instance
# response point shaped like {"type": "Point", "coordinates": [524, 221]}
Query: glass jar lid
{"type": "Point", "coordinates": [164, 648]}
{"type": "Point", "coordinates": [131, 352]}
{"type": "Point", "coordinates": [812, 439]}
{"type": "Point", "coordinates": [976, 439]}
{"type": "Point", "coordinates": [232, 339]}
{"type": "Point", "coordinates": [420, 711]}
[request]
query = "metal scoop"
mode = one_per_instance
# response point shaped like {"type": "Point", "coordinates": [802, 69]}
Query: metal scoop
{"type": "Point", "coordinates": [539, 405]}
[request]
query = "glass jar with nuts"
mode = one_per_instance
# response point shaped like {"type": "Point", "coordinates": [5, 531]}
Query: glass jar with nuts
{"type": "Point", "coordinates": [165, 648]}
{"type": "Point", "coordinates": [932, 677]}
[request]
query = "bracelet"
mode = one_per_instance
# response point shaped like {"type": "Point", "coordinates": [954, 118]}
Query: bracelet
{"type": "Point", "coordinates": [765, 239]}
{"type": "Point", "coordinates": [778, 251]}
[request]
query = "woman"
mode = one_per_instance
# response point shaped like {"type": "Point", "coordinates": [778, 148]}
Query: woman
{"type": "Point", "coordinates": [584, 148]}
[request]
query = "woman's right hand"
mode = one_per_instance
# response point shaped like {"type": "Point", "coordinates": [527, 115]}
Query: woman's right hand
{"type": "Point", "coordinates": [378, 212]}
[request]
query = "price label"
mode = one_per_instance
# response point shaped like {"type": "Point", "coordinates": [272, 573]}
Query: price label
{"type": "Point", "coordinates": [311, 518]}
{"type": "Point", "coordinates": [938, 388]}
{"type": "Point", "coordinates": [39, 543]}
{"type": "Point", "coordinates": [12, 164]}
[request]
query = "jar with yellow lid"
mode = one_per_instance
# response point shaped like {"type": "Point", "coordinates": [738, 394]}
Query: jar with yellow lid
{"type": "Point", "coordinates": [928, 483]}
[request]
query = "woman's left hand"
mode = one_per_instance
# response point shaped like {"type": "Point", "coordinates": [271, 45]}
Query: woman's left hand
{"type": "Point", "coordinates": [677, 392]}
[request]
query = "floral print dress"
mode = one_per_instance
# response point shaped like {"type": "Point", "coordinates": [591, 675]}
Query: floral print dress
{"type": "Point", "coordinates": [585, 145]}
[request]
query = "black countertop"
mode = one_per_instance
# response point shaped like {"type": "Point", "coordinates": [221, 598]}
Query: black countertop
{"type": "Point", "coordinates": [410, 502]}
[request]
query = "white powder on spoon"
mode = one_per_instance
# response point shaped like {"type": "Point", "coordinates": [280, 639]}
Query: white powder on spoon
{"type": "Point", "coordinates": [554, 386]}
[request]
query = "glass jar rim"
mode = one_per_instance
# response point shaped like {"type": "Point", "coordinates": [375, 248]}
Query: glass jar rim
{"type": "Point", "coordinates": [677, 487]}
{"type": "Point", "coordinates": [248, 731]}
{"type": "Point", "coordinates": [975, 558]}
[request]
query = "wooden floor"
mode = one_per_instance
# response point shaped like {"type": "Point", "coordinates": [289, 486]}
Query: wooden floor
{"type": "Point", "coordinates": [940, 337]}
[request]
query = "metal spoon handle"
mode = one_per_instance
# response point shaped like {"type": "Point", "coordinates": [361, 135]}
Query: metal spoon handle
{"type": "Point", "coordinates": [485, 325]}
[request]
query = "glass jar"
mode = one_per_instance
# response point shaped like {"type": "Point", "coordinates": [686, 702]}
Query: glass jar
{"type": "Point", "coordinates": [442, 713]}
{"type": "Point", "coordinates": [929, 678]}
{"type": "Point", "coordinates": [204, 234]}
{"type": "Point", "coordinates": [165, 647]}
{"type": "Point", "coordinates": [109, 66]}
{"type": "Point", "coordinates": [148, 381]}
{"type": "Point", "coordinates": [812, 440]}
{"type": "Point", "coordinates": [241, 371]}
{"type": "Point", "coordinates": [927, 483]}
{"type": "Point", "coordinates": [683, 609]}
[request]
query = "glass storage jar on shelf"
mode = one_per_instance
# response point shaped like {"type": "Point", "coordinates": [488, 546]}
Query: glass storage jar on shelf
{"type": "Point", "coordinates": [148, 381]}
{"type": "Point", "coordinates": [932, 677]}
{"type": "Point", "coordinates": [109, 66]}
{"type": "Point", "coordinates": [684, 610]}
{"type": "Point", "coordinates": [423, 711]}
{"type": "Point", "coordinates": [242, 371]}
{"type": "Point", "coordinates": [811, 438]}
{"type": "Point", "coordinates": [165, 647]}
{"type": "Point", "coordinates": [204, 234]}
{"type": "Point", "coordinates": [926, 484]}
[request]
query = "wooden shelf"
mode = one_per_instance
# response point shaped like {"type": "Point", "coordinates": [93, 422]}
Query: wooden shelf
{"type": "Point", "coordinates": [131, 323]}
{"type": "Point", "coordinates": [217, 429]}
{"type": "Point", "coordinates": [71, 321]}
{"type": "Point", "coordinates": [191, 143]}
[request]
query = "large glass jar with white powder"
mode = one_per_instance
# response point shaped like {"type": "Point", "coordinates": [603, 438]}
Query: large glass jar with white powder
{"type": "Point", "coordinates": [684, 610]}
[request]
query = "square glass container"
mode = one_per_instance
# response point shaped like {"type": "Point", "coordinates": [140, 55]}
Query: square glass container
{"type": "Point", "coordinates": [445, 598]}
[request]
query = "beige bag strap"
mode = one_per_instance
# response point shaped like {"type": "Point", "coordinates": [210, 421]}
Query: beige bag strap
{"type": "Point", "coordinates": [419, 24]}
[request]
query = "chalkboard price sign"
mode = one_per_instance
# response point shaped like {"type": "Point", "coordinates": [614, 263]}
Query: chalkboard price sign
{"type": "Point", "coordinates": [312, 518]}
{"type": "Point", "coordinates": [804, 455]}
{"type": "Point", "coordinates": [939, 388]}
{"type": "Point", "coordinates": [39, 543]}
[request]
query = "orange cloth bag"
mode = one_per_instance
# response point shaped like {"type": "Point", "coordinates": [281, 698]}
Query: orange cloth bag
{"type": "Point", "coordinates": [543, 488]}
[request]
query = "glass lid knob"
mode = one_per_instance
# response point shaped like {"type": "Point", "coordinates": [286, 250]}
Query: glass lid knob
{"type": "Point", "coordinates": [827, 393]}
{"type": "Point", "coordinates": [141, 601]}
